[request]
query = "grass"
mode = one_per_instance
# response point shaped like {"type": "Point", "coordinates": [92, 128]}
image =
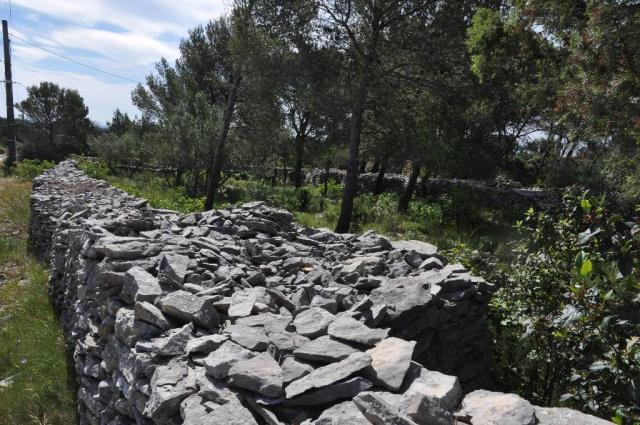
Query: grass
{"type": "Point", "coordinates": [32, 353]}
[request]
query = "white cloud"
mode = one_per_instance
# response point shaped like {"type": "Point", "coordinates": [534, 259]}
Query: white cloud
{"type": "Point", "coordinates": [125, 47]}
{"type": "Point", "coordinates": [123, 37]}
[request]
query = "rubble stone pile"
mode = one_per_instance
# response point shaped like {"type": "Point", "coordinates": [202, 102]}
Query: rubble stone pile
{"type": "Point", "coordinates": [241, 316]}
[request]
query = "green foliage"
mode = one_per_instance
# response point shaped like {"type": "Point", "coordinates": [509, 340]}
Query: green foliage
{"type": "Point", "coordinates": [567, 319]}
{"type": "Point", "coordinates": [58, 123]}
{"type": "Point", "coordinates": [27, 169]}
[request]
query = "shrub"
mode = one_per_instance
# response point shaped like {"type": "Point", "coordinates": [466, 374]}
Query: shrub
{"type": "Point", "coordinates": [567, 321]}
{"type": "Point", "coordinates": [28, 169]}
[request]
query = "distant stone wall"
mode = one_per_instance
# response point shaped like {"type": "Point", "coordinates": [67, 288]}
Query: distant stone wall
{"type": "Point", "coordinates": [240, 316]}
{"type": "Point", "coordinates": [479, 192]}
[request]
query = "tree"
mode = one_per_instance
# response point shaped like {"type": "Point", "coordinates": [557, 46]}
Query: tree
{"type": "Point", "coordinates": [61, 116]}
{"type": "Point", "coordinates": [369, 34]}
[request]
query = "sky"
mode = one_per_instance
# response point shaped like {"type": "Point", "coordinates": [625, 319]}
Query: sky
{"type": "Point", "coordinates": [123, 37]}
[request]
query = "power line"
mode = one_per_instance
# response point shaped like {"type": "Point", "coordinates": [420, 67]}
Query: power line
{"type": "Point", "coordinates": [73, 60]}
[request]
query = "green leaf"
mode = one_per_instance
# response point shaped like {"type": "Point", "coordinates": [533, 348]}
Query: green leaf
{"type": "Point", "coordinates": [586, 268]}
{"type": "Point", "coordinates": [586, 205]}
{"type": "Point", "coordinates": [579, 260]}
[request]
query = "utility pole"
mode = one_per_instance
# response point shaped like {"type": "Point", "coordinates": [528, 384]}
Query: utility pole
{"type": "Point", "coordinates": [11, 123]}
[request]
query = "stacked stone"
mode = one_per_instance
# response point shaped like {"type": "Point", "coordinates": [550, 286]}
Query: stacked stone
{"type": "Point", "coordinates": [240, 316]}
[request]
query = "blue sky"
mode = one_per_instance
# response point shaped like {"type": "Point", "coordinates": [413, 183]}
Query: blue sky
{"type": "Point", "coordinates": [122, 37]}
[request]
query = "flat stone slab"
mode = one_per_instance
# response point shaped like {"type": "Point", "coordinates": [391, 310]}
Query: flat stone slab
{"type": "Point", "coordinates": [313, 322]}
{"type": "Point", "coordinates": [327, 375]}
{"type": "Point", "coordinates": [378, 412]}
{"type": "Point", "coordinates": [486, 407]}
{"type": "Point", "coordinates": [260, 374]}
{"type": "Point", "coordinates": [324, 349]}
{"type": "Point", "coordinates": [186, 307]}
{"type": "Point", "coordinates": [342, 390]}
{"type": "Point", "coordinates": [253, 338]}
{"type": "Point", "coordinates": [350, 329]}
{"type": "Point", "coordinates": [218, 363]}
{"type": "Point", "coordinates": [390, 360]}
{"type": "Point", "coordinates": [139, 285]}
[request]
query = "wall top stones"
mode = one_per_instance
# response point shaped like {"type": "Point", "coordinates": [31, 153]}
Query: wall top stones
{"type": "Point", "coordinates": [241, 316]}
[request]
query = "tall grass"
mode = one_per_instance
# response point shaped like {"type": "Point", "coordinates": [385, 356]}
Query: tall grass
{"type": "Point", "coordinates": [33, 365]}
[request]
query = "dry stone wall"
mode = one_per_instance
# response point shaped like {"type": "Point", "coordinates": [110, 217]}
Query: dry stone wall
{"type": "Point", "coordinates": [240, 316]}
{"type": "Point", "coordinates": [479, 192]}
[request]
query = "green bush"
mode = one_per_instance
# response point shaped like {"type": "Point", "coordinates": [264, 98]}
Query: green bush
{"type": "Point", "coordinates": [28, 169]}
{"type": "Point", "coordinates": [567, 319]}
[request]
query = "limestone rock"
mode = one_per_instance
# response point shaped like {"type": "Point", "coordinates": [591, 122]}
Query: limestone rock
{"type": "Point", "coordinates": [173, 269]}
{"type": "Point", "coordinates": [343, 413]}
{"type": "Point", "coordinates": [349, 329]}
{"type": "Point", "coordinates": [260, 374]}
{"type": "Point", "coordinates": [313, 322]}
{"type": "Point", "coordinates": [253, 338]}
{"type": "Point", "coordinates": [329, 374]}
{"type": "Point", "coordinates": [390, 360]}
{"type": "Point", "coordinates": [170, 385]}
{"type": "Point", "coordinates": [218, 363]}
{"type": "Point", "coordinates": [140, 285]}
{"type": "Point", "coordinates": [564, 416]}
{"type": "Point", "coordinates": [186, 307]}
{"type": "Point", "coordinates": [324, 349]}
{"type": "Point", "coordinates": [493, 408]}
{"type": "Point", "coordinates": [149, 313]}
{"type": "Point", "coordinates": [342, 390]}
{"type": "Point", "coordinates": [378, 412]}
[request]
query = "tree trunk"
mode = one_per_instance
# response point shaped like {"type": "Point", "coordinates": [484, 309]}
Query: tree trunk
{"type": "Point", "coordinates": [403, 203]}
{"type": "Point", "coordinates": [300, 142]}
{"type": "Point", "coordinates": [325, 190]}
{"type": "Point", "coordinates": [351, 179]}
{"type": "Point", "coordinates": [216, 167]}
{"type": "Point", "coordinates": [363, 166]}
{"type": "Point", "coordinates": [378, 188]}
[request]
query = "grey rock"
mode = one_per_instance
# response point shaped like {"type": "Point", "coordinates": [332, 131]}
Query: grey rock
{"type": "Point", "coordinates": [493, 408]}
{"type": "Point", "coordinates": [218, 363]}
{"type": "Point", "coordinates": [253, 338]}
{"type": "Point", "coordinates": [349, 329]}
{"type": "Point", "coordinates": [294, 369]}
{"type": "Point", "coordinates": [173, 269]}
{"type": "Point", "coordinates": [140, 285]}
{"type": "Point", "coordinates": [187, 307]}
{"type": "Point", "coordinates": [127, 248]}
{"type": "Point", "coordinates": [390, 360]}
{"type": "Point", "coordinates": [242, 302]}
{"type": "Point", "coordinates": [342, 390]}
{"type": "Point", "coordinates": [149, 313]}
{"type": "Point", "coordinates": [260, 374]}
{"type": "Point", "coordinates": [129, 330]}
{"type": "Point", "coordinates": [329, 374]}
{"type": "Point", "coordinates": [205, 344]}
{"type": "Point", "coordinates": [564, 416]}
{"type": "Point", "coordinates": [423, 248]}
{"type": "Point", "coordinates": [172, 345]}
{"type": "Point", "coordinates": [286, 341]}
{"type": "Point", "coordinates": [324, 349]}
{"type": "Point", "coordinates": [170, 385]}
{"type": "Point", "coordinates": [313, 322]}
{"type": "Point", "coordinates": [342, 414]}
{"type": "Point", "coordinates": [433, 384]}
{"type": "Point", "coordinates": [427, 410]}
{"type": "Point", "coordinates": [378, 412]}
